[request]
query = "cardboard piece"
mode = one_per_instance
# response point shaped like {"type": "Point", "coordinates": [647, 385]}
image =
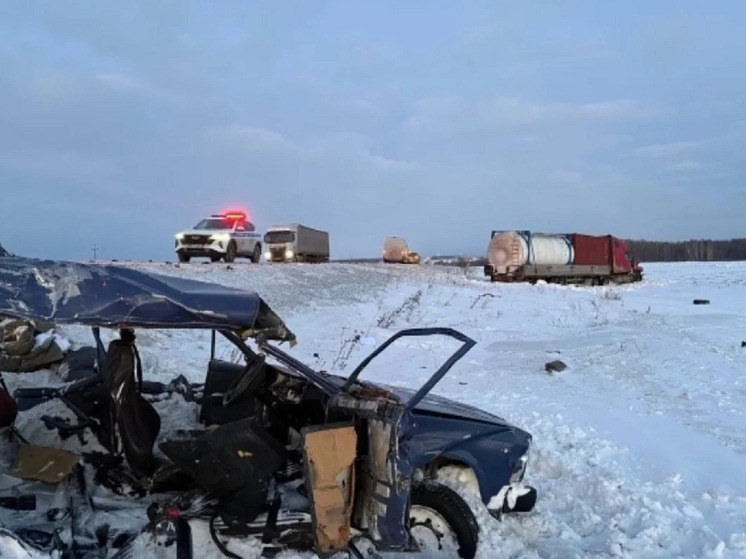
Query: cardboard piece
{"type": "Point", "coordinates": [330, 454]}
{"type": "Point", "coordinates": [43, 463]}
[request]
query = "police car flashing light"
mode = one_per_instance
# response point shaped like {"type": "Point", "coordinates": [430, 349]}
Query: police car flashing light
{"type": "Point", "coordinates": [223, 236]}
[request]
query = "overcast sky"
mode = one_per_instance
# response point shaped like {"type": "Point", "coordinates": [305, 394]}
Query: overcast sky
{"type": "Point", "coordinates": [121, 124]}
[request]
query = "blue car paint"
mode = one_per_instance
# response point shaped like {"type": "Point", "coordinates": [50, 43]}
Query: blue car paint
{"type": "Point", "coordinates": [443, 428]}
{"type": "Point", "coordinates": [102, 295]}
{"type": "Point", "coordinates": [492, 451]}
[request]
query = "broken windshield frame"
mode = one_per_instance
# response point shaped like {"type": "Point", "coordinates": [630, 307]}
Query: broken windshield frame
{"type": "Point", "coordinates": [467, 344]}
{"type": "Point", "coordinates": [313, 376]}
{"type": "Point", "coordinates": [332, 389]}
{"type": "Point", "coordinates": [329, 387]}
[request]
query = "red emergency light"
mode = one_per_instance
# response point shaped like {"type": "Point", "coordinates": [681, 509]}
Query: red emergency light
{"type": "Point", "coordinates": [233, 215]}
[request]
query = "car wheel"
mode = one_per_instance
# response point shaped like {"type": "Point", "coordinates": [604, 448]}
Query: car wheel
{"type": "Point", "coordinates": [441, 522]}
{"type": "Point", "coordinates": [257, 254]}
{"type": "Point", "coordinates": [183, 257]}
{"type": "Point", "coordinates": [230, 252]}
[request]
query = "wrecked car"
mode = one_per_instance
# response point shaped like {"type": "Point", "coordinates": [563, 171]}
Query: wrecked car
{"type": "Point", "coordinates": [291, 457]}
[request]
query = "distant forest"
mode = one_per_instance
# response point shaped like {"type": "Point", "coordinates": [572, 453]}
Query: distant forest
{"type": "Point", "coordinates": [694, 250]}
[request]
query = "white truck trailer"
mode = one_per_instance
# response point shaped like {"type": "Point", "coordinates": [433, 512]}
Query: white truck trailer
{"type": "Point", "coordinates": [296, 243]}
{"type": "Point", "coordinates": [395, 249]}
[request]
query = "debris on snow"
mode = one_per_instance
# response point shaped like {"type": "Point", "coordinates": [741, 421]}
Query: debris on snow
{"type": "Point", "coordinates": [555, 366]}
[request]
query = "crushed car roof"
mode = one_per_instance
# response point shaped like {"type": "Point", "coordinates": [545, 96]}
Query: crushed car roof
{"type": "Point", "coordinates": [66, 292]}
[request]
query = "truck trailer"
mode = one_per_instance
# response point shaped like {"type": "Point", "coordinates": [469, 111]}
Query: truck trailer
{"type": "Point", "coordinates": [296, 243]}
{"type": "Point", "coordinates": [395, 250]}
{"type": "Point", "coordinates": [574, 258]}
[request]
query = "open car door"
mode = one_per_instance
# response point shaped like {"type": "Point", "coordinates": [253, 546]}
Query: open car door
{"type": "Point", "coordinates": [330, 452]}
{"type": "Point", "coordinates": [466, 344]}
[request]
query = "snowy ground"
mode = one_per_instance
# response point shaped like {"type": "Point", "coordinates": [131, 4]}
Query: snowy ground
{"type": "Point", "coordinates": [639, 446]}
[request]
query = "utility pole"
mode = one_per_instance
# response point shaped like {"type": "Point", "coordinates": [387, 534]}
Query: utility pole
{"type": "Point", "coordinates": [95, 251]}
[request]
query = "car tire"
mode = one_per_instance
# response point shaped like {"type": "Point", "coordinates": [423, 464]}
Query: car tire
{"type": "Point", "coordinates": [432, 499]}
{"type": "Point", "coordinates": [230, 252]}
{"type": "Point", "coordinates": [183, 257]}
{"type": "Point", "coordinates": [256, 256]}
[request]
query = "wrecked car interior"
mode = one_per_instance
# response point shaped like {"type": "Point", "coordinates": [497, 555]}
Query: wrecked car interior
{"type": "Point", "coordinates": [290, 457]}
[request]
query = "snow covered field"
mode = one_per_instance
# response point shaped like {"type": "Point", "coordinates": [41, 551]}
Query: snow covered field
{"type": "Point", "coordinates": [639, 446]}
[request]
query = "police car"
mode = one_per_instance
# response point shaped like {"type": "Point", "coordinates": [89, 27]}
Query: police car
{"type": "Point", "coordinates": [221, 236]}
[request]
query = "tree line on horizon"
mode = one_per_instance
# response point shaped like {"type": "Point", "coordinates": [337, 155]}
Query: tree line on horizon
{"type": "Point", "coordinates": [697, 250]}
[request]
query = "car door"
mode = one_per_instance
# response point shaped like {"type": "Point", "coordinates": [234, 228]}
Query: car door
{"type": "Point", "coordinates": [252, 237]}
{"type": "Point", "coordinates": [240, 236]}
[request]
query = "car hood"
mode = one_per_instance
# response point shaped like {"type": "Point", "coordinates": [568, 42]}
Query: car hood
{"type": "Point", "coordinates": [447, 407]}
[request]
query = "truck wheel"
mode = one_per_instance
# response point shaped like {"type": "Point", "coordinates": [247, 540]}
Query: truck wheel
{"type": "Point", "coordinates": [230, 252]}
{"type": "Point", "coordinates": [257, 254]}
{"type": "Point", "coordinates": [183, 257]}
{"type": "Point", "coordinates": [441, 522]}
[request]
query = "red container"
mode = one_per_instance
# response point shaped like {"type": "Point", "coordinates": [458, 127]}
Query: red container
{"type": "Point", "coordinates": [591, 250]}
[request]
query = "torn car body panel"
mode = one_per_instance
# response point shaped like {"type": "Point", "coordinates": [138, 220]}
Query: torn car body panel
{"type": "Point", "coordinates": [383, 500]}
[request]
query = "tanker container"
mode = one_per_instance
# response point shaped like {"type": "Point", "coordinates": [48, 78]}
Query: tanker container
{"type": "Point", "coordinates": [511, 250]}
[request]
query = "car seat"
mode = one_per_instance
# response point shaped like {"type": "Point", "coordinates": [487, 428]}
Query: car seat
{"type": "Point", "coordinates": [235, 462]}
{"type": "Point", "coordinates": [136, 420]}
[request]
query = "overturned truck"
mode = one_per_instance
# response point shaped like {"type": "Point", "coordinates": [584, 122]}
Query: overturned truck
{"type": "Point", "coordinates": [285, 455]}
{"type": "Point", "coordinates": [526, 256]}
{"type": "Point", "coordinates": [395, 250]}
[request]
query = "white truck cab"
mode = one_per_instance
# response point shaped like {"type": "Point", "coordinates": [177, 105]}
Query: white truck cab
{"type": "Point", "coordinates": [296, 243]}
{"type": "Point", "coordinates": [220, 236]}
